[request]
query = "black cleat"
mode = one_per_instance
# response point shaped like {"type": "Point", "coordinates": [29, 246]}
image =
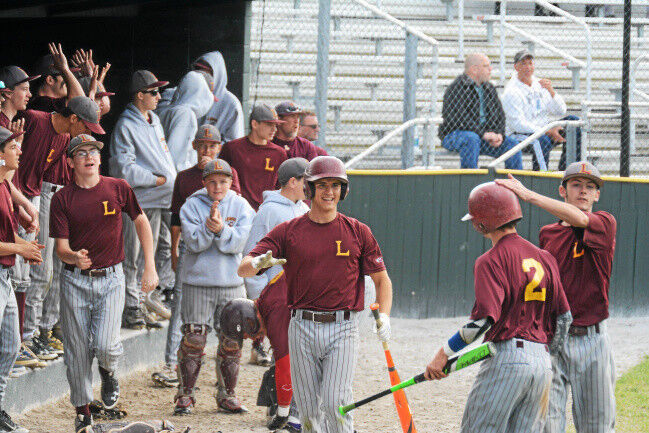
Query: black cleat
{"type": "Point", "coordinates": [83, 423]}
{"type": "Point", "coordinates": [133, 318]}
{"type": "Point", "coordinates": [277, 422]}
{"type": "Point", "coordinates": [7, 424]}
{"type": "Point", "coordinates": [109, 389]}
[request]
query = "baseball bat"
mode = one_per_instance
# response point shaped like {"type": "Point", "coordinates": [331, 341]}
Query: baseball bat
{"type": "Point", "coordinates": [457, 362]}
{"type": "Point", "coordinates": [400, 399]}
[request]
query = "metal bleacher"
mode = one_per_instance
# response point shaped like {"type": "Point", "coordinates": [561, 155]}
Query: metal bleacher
{"type": "Point", "coordinates": [366, 61]}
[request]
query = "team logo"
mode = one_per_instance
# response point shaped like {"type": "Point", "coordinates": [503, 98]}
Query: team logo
{"type": "Point", "coordinates": [49, 156]}
{"type": "Point", "coordinates": [576, 253]}
{"type": "Point", "coordinates": [217, 166]}
{"type": "Point", "coordinates": [268, 166]}
{"type": "Point", "coordinates": [106, 211]}
{"type": "Point", "coordinates": [207, 133]}
{"type": "Point", "coordinates": [584, 169]}
{"type": "Point", "coordinates": [339, 252]}
{"type": "Point", "coordinates": [230, 221]}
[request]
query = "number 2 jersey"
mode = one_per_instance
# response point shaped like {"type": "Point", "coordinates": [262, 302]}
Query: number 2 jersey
{"type": "Point", "coordinates": [518, 285]}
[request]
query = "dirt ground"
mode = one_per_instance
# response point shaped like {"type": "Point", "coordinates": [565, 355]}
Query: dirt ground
{"type": "Point", "coordinates": [436, 407]}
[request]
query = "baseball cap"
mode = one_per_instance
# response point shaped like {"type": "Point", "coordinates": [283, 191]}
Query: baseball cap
{"type": "Point", "coordinates": [143, 80]}
{"type": "Point", "coordinates": [45, 66]}
{"type": "Point", "coordinates": [101, 90]}
{"type": "Point", "coordinates": [88, 111]}
{"type": "Point", "coordinates": [583, 169]}
{"type": "Point", "coordinates": [287, 107]}
{"type": "Point", "coordinates": [82, 140]}
{"type": "Point", "coordinates": [13, 75]}
{"type": "Point", "coordinates": [217, 166]}
{"type": "Point", "coordinates": [208, 132]}
{"type": "Point", "coordinates": [521, 55]}
{"type": "Point", "coordinates": [294, 167]}
{"type": "Point", "coordinates": [6, 135]}
{"type": "Point", "coordinates": [264, 113]}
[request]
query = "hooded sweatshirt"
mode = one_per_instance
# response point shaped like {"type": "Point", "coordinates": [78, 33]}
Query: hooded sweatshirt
{"type": "Point", "coordinates": [226, 113]}
{"type": "Point", "coordinates": [191, 101]}
{"type": "Point", "coordinates": [274, 210]}
{"type": "Point", "coordinates": [212, 260]}
{"type": "Point", "coordinates": [139, 154]}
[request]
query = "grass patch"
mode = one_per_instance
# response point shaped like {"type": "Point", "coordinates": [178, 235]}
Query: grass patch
{"type": "Point", "coordinates": [632, 400]}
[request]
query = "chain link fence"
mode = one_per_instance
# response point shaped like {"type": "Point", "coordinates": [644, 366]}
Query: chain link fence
{"type": "Point", "coordinates": [379, 75]}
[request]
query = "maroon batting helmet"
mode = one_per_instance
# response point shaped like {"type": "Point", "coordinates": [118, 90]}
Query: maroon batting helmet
{"type": "Point", "coordinates": [323, 167]}
{"type": "Point", "coordinates": [492, 206]}
{"type": "Point", "coordinates": [239, 319]}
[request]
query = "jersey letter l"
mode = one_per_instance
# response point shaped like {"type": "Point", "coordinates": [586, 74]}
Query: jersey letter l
{"type": "Point", "coordinates": [267, 168]}
{"type": "Point", "coordinates": [576, 253]}
{"type": "Point", "coordinates": [49, 156]}
{"type": "Point", "coordinates": [338, 252]}
{"type": "Point", "coordinates": [106, 211]}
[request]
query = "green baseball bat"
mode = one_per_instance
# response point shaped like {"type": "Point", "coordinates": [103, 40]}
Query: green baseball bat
{"type": "Point", "coordinates": [457, 362]}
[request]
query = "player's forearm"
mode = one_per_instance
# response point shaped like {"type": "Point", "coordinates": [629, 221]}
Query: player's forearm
{"type": "Point", "coordinates": [175, 237]}
{"type": "Point", "coordinates": [246, 269]}
{"type": "Point", "coordinates": [64, 252]}
{"type": "Point", "coordinates": [383, 286]}
{"type": "Point", "coordinates": [145, 236]}
{"type": "Point", "coordinates": [74, 88]}
{"type": "Point", "coordinates": [564, 211]}
{"type": "Point", "coordinates": [9, 248]}
{"type": "Point", "coordinates": [18, 197]}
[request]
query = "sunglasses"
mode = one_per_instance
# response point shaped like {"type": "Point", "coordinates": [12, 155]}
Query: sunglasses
{"type": "Point", "coordinates": [314, 126]}
{"type": "Point", "coordinates": [153, 92]}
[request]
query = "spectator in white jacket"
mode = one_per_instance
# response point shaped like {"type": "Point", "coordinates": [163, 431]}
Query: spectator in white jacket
{"type": "Point", "coordinates": [530, 103]}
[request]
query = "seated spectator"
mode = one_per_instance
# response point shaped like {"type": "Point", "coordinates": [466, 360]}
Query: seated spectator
{"type": "Point", "coordinates": [309, 129]}
{"type": "Point", "coordinates": [529, 102]}
{"type": "Point", "coordinates": [474, 121]}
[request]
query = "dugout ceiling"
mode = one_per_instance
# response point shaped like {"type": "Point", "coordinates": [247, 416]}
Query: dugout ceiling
{"type": "Point", "coordinates": [162, 36]}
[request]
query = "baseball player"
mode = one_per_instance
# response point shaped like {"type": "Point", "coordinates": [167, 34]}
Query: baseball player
{"type": "Point", "coordinates": [207, 144]}
{"type": "Point", "coordinates": [287, 132]}
{"type": "Point", "coordinates": [583, 242]}
{"type": "Point", "coordinates": [86, 223]}
{"type": "Point", "coordinates": [521, 307]}
{"type": "Point", "coordinates": [139, 154]}
{"type": "Point", "coordinates": [325, 256]}
{"type": "Point", "coordinates": [310, 129]}
{"type": "Point", "coordinates": [278, 206]}
{"type": "Point", "coordinates": [11, 244]}
{"type": "Point", "coordinates": [215, 225]}
{"type": "Point", "coordinates": [255, 157]}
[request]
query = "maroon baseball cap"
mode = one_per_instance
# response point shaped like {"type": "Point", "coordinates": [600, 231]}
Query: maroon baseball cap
{"type": "Point", "coordinates": [88, 111]}
{"type": "Point", "coordinates": [144, 80]}
{"type": "Point", "coordinates": [13, 75]}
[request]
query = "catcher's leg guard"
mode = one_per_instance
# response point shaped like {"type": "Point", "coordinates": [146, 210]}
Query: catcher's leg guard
{"type": "Point", "coordinates": [228, 356]}
{"type": "Point", "coordinates": [190, 355]}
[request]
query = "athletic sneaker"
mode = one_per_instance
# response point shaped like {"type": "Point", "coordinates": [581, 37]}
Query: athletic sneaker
{"type": "Point", "coordinates": [277, 422]}
{"type": "Point", "coordinates": [259, 356]}
{"type": "Point", "coordinates": [39, 350]}
{"type": "Point", "coordinates": [7, 424]}
{"type": "Point", "coordinates": [168, 377]}
{"type": "Point", "coordinates": [27, 358]}
{"type": "Point", "coordinates": [17, 371]}
{"type": "Point", "coordinates": [153, 301]}
{"type": "Point", "coordinates": [230, 404]}
{"type": "Point", "coordinates": [291, 428]}
{"type": "Point", "coordinates": [83, 423]}
{"type": "Point", "coordinates": [133, 318]}
{"type": "Point", "coordinates": [52, 343]}
{"type": "Point", "coordinates": [184, 404]}
{"type": "Point", "coordinates": [109, 389]}
{"type": "Point", "coordinates": [45, 344]}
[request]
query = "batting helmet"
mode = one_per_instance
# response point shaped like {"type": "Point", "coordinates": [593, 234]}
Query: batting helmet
{"type": "Point", "coordinates": [492, 206]}
{"type": "Point", "coordinates": [322, 167]}
{"type": "Point", "coordinates": [239, 319]}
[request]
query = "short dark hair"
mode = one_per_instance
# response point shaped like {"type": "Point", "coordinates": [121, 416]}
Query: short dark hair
{"type": "Point", "coordinates": [40, 81]}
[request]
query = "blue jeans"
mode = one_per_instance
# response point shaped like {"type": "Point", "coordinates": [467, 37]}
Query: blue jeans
{"type": "Point", "coordinates": [469, 145]}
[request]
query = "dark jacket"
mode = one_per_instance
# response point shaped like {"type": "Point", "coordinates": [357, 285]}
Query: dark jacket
{"type": "Point", "coordinates": [461, 108]}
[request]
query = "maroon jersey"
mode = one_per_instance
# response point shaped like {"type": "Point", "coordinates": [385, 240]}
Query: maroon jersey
{"type": "Point", "coordinates": [274, 311]}
{"type": "Point", "coordinates": [59, 172]}
{"type": "Point", "coordinates": [257, 167]}
{"type": "Point", "coordinates": [7, 222]}
{"type": "Point", "coordinates": [585, 258]}
{"type": "Point", "coordinates": [320, 151]}
{"type": "Point", "coordinates": [517, 284]}
{"type": "Point", "coordinates": [325, 263]}
{"type": "Point", "coordinates": [187, 183]}
{"type": "Point", "coordinates": [91, 218]}
{"type": "Point", "coordinates": [41, 146]}
{"type": "Point", "coordinates": [298, 147]}
{"type": "Point", "coordinates": [4, 120]}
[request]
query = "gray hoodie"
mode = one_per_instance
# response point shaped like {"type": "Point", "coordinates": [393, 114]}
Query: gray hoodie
{"type": "Point", "coordinates": [191, 101]}
{"type": "Point", "coordinates": [274, 210]}
{"type": "Point", "coordinates": [226, 113]}
{"type": "Point", "coordinates": [138, 154]}
{"type": "Point", "coordinates": [212, 260]}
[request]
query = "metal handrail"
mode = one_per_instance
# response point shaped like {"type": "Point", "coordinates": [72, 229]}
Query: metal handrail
{"type": "Point", "coordinates": [419, 34]}
{"type": "Point", "coordinates": [544, 44]}
{"type": "Point", "coordinates": [398, 130]}
{"type": "Point", "coordinates": [531, 138]}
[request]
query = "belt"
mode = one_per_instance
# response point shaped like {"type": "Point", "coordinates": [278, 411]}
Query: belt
{"type": "Point", "coordinates": [321, 317]}
{"type": "Point", "coordinates": [580, 331]}
{"type": "Point", "coordinates": [90, 272]}
{"type": "Point", "coordinates": [521, 344]}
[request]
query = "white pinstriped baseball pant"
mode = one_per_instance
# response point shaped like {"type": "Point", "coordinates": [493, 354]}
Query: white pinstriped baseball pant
{"type": "Point", "coordinates": [91, 315]}
{"type": "Point", "coordinates": [586, 366]}
{"type": "Point", "coordinates": [9, 333]}
{"type": "Point", "coordinates": [510, 393]}
{"type": "Point", "coordinates": [323, 358]}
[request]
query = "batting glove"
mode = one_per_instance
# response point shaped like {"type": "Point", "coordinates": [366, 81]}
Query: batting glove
{"type": "Point", "coordinates": [384, 331]}
{"type": "Point", "coordinates": [266, 261]}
